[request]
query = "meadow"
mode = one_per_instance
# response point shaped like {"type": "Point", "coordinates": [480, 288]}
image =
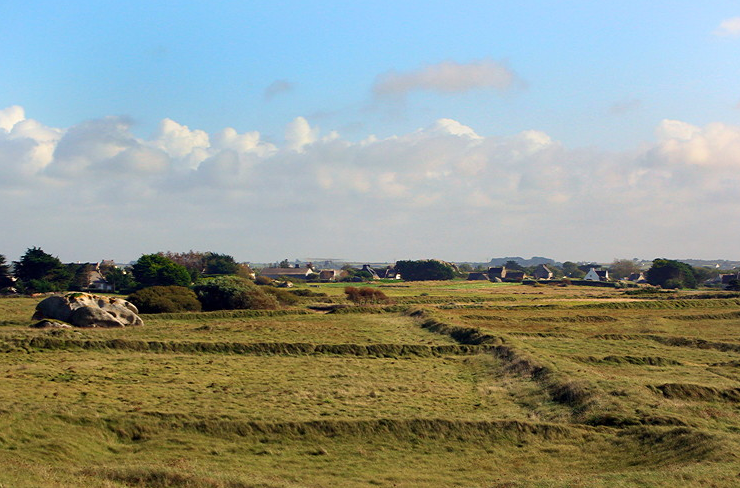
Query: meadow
{"type": "Point", "coordinates": [469, 384]}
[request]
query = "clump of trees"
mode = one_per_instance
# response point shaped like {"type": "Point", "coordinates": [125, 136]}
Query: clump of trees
{"type": "Point", "coordinates": [365, 295]}
{"type": "Point", "coordinates": [40, 272]}
{"type": "Point", "coordinates": [671, 274]}
{"type": "Point", "coordinates": [165, 299]}
{"type": "Point", "coordinates": [158, 270]}
{"type": "Point", "coordinates": [425, 270]}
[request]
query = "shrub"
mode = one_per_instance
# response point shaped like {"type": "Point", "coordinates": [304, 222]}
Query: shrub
{"type": "Point", "coordinates": [165, 299]}
{"type": "Point", "coordinates": [362, 296]}
{"type": "Point", "coordinates": [263, 281]}
{"type": "Point", "coordinates": [304, 292]}
{"type": "Point", "coordinates": [284, 297]}
{"type": "Point", "coordinates": [231, 293]}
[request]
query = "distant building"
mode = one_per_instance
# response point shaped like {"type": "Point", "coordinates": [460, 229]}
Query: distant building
{"type": "Point", "coordinates": [276, 273]}
{"type": "Point", "coordinates": [477, 276]}
{"type": "Point", "coordinates": [497, 272]}
{"type": "Point", "coordinates": [637, 278]}
{"type": "Point", "coordinates": [328, 275]}
{"type": "Point", "coordinates": [542, 272]}
{"type": "Point", "coordinates": [515, 276]}
{"type": "Point", "coordinates": [597, 275]}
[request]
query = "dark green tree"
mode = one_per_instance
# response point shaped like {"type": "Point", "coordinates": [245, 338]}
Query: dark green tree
{"type": "Point", "coordinates": [5, 279]}
{"type": "Point", "coordinates": [41, 272]}
{"type": "Point", "coordinates": [157, 270]}
{"type": "Point", "coordinates": [513, 266]}
{"type": "Point", "coordinates": [425, 270]}
{"type": "Point", "coordinates": [221, 264]}
{"type": "Point", "coordinates": [668, 273]}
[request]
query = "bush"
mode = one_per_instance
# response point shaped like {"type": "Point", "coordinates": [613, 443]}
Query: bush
{"type": "Point", "coordinates": [165, 299]}
{"type": "Point", "coordinates": [233, 293]}
{"type": "Point", "coordinates": [263, 281]}
{"type": "Point", "coordinates": [284, 297]}
{"type": "Point", "coordinates": [362, 296]}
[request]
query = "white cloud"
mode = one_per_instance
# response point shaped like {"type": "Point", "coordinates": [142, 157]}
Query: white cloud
{"type": "Point", "coordinates": [10, 116]}
{"type": "Point", "coordinates": [299, 134]}
{"type": "Point", "coordinates": [729, 28]}
{"type": "Point", "coordinates": [418, 192]}
{"type": "Point", "coordinates": [447, 77]}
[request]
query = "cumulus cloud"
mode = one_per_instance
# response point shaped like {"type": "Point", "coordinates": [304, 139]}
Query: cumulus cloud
{"type": "Point", "coordinates": [278, 87]}
{"type": "Point", "coordinates": [447, 77]}
{"type": "Point", "coordinates": [442, 190]}
{"type": "Point", "coordinates": [729, 28]}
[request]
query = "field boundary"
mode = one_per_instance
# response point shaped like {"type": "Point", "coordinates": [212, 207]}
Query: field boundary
{"type": "Point", "coordinates": [245, 348]}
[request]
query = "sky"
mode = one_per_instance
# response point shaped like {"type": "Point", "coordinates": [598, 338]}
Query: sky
{"type": "Point", "coordinates": [375, 131]}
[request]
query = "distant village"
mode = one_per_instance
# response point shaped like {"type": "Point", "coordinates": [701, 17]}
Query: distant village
{"type": "Point", "coordinates": [104, 276]}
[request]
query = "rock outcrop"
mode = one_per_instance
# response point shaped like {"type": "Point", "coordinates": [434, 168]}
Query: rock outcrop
{"type": "Point", "coordinates": [85, 310]}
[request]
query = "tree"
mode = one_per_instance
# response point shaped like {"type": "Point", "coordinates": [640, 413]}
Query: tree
{"type": "Point", "coordinates": [121, 279]}
{"type": "Point", "coordinates": [157, 270]}
{"type": "Point", "coordinates": [284, 264]}
{"type": "Point", "coordinates": [41, 272]}
{"type": "Point", "coordinates": [222, 264]}
{"type": "Point", "coordinates": [193, 261]}
{"type": "Point", "coordinates": [668, 273]}
{"type": "Point", "coordinates": [423, 270]}
{"type": "Point", "coordinates": [513, 266]}
{"type": "Point", "coordinates": [622, 268]}
{"type": "Point", "coordinates": [572, 270]}
{"type": "Point", "coordinates": [5, 280]}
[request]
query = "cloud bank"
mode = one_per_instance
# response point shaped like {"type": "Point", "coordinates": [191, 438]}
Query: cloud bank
{"type": "Point", "coordinates": [446, 77]}
{"type": "Point", "coordinates": [94, 190]}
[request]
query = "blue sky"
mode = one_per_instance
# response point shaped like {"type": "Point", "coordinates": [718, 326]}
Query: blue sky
{"type": "Point", "coordinates": [573, 107]}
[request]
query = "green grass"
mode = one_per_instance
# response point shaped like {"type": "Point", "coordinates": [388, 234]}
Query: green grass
{"type": "Point", "coordinates": [567, 386]}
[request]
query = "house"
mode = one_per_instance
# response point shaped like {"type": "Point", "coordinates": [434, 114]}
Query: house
{"type": "Point", "coordinates": [515, 276]}
{"type": "Point", "coordinates": [96, 282]}
{"type": "Point", "coordinates": [637, 278]}
{"type": "Point", "coordinates": [328, 275]}
{"type": "Point", "coordinates": [389, 273]}
{"type": "Point", "coordinates": [726, 278]}
{"type": "Point", "coordinates": [499, 273]}
{"type": "Point", "coordinates": [476, 275]}
{"type": "Point", "coordinates": [597, 275]}
{"type": "Point", "coordinates": [369, 269]}
{"type": "Point", "coordinates": [276, 273]}
{"type": "Point", "coordinates": [542, 272]}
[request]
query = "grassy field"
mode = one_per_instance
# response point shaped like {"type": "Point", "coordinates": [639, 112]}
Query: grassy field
{"type": "Point", "coordinates": [468, 384]}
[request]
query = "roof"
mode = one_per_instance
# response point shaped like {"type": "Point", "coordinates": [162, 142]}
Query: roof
{"type": "Point", "coordinates": [286, 271]}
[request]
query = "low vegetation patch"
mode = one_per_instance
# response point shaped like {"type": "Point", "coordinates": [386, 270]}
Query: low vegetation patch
{"type": "Point", "coordinates": [165, 299]}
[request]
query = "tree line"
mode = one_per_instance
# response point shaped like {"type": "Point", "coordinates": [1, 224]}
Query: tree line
{"type": "Point", "coordinates": [38, 271]}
